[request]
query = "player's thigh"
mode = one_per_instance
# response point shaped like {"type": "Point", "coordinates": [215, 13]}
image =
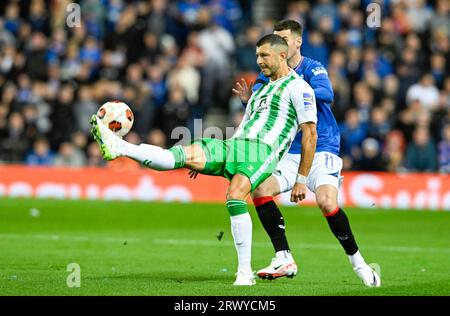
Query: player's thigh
{"type": "Point", "coordinates": [206, 155]}
{"type": "Point", "coordinates": [195, 157]}
{"type": "Point", "coordinates": [325, 170]}
{"type": "Point", "coordinates": [286, 172]}
{"type": "Point", "coordinates": [270, 187]}
{"type": "Point", "coordinates": [253, 159]}
{"type": "Point", "coordinates": [239, 187]}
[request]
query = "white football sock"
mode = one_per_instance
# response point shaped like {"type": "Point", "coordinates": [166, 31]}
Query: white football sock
{"type": "Point", "coordinates": [357, 260]}
{"type": "Point", "coordinates": [151, 156]}
{"type": "Point", "coordinates": [241, 229]}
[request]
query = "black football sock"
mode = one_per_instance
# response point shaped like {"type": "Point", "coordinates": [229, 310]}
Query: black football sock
{"type": "Point", "coordinates": [340, 226]}
{"type": "Point", "coordinates": [272, 221]}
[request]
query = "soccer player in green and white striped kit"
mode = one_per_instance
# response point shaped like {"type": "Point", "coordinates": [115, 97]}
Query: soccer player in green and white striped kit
{"type": "Point", "coordinates": [274, 115]}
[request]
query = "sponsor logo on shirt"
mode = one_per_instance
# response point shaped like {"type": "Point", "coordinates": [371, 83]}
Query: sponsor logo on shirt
{"type": "Point", "coordinates": [319, 70]}
{"type": "Point", "coordinates": [308, 101]}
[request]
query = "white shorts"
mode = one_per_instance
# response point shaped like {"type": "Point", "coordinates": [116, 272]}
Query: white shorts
{"type": "Point", "coordinates": [326, 169]}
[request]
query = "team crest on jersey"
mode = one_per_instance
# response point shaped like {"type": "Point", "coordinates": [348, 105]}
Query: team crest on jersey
{"type": "Point", "coordinates": [308, 100]}
{"type": "Point", "coordinates": [262, 105]}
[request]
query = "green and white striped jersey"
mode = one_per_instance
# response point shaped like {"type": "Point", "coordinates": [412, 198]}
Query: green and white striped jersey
{"type": "Point", "coordinates": [275, 111]}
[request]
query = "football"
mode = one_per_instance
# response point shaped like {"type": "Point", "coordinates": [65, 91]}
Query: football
{"type": "Point", "coordinates": [117, 116]}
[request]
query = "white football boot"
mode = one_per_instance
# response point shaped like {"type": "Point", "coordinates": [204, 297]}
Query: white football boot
{"type": "Point", "coordinates": [106, 139]}
{"type": "Point", "coordinates": [368, 275]}
{"type": "Point", "coordinates": [244, 278]}
{"type": "Point", "coordinates": [279, 267]}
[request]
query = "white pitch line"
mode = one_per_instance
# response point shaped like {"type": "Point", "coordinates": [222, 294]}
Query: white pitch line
{"type": "Point", "coordinates": [299, 245]}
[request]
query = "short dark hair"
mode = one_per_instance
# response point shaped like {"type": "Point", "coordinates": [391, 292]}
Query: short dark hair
{"type": "Point", "coordinates": [273, 40]}
{"type": "Point", "coordinates": [292, 25]}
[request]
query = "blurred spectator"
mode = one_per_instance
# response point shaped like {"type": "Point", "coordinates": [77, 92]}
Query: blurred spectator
{"type": "Point", "coordinates": [159, 20]}
{"type": "Point", "coordinates": [189, 11]}
{"type": "Point", "coordinates": [36, 64]}
{"type": "Point", "coordinates": [424, 91]}
{"type": "Point", "coordinates": [218, 45]}
{"type": "Point", "coordinates": [419, 15]}
{"type": "Point", "coordinates": [84, 108]}
{"type": "Point", "coordinates": [140, 100]}
{"type": "Point", "coordinates": [393, 151]}
{"type": "Point", "coordinates": [315, 47]}
{"type": "Point", "coordinates": [157, 84]}
{"type": "Point", "coordinates": [371, 159]}
{"type": "Point", "coordinates": [94, 157]}
{"type": "Point", "coordinates": [421, 153]}
{"type": "Point", "coordinates": [353, 132]}
{"type": "Point", "coordinates": [226, 13]}
{"type": "Point", "coordinates": [127, 36]}
{"type": "Point", "coordinates": [62, 116]}
{"type": "Point", "coordinates": [12, 18]}
{"type": "Point", "coordinates": [186, 77]}
{"type": "Point", "coordinates": [79, 140]}
{"type": "Point", "coordinates": [41, 154]}
{"type": "Point", "coordinates": [151, 47]}
{"type": "Point", "coordinates": [440, 21]}
{"type": "Point", "coordinates": [444, 150]}
{"type": "Point", "coordinates": [6, 37]}
{"type": "Point", "coordinates": [245, 51]}
{"type": "Point", "coordinates": [376, 63]}
{"type": "Point", "coordinates": [157, 137]}
{"type": "Point", "coordinates": [364, 97]}
{"type": "Point", "coordinates": [438, 69]}
{"type": "Point", "coordinates": [297, 11]}
{"type": "Point", "coordinates": [39, 18]}
{"type": "Point", "coordinates": [176, 112]}
{"type": "Point", "coordinates": [69, 156]}
{"type": "Point", "coordinates": [15, 142]}
{"type": "Point", "coordinates": [379, 125]}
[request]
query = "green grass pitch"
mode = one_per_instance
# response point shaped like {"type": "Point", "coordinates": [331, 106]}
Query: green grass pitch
{"type": "Point", "coordinates": [136, 248]}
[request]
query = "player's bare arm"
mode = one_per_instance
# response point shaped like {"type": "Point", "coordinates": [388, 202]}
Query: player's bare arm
{"type": "Point", "coordinates": [309, 141]}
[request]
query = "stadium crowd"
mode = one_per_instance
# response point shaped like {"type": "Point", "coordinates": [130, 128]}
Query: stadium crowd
{"type": "Point", "coordinates": [175, 61]}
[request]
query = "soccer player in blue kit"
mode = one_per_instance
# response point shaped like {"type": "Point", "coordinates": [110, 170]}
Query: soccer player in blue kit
{"type": "Point", "coordinates": [324, 178]}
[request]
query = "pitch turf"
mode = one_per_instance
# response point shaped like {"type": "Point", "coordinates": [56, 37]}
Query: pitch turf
{"type": "Point", "coordinates": [172, 249]}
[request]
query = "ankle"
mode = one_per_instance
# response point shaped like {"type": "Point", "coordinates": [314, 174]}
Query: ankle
{"type": "Point", "coordinates": [284, 255]}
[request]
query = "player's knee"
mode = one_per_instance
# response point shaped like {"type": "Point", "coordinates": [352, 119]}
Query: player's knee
{"type": "Point", "coordinates": [261, 191]}
{"type": "Point", "coordinates": [326, 202]}
{"type": "Point", "coordinates": [235, 194]}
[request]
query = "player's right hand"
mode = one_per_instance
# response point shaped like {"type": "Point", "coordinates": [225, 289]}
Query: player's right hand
{"type": "Point", "coordinates": [298, 192]}
{"type": "Point", "coordinates": [242, 90]}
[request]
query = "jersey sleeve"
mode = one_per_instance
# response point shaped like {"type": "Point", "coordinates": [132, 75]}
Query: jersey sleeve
{"type": "Point", "coordinates": [304, 101]}
{"type": "Point", "coordinates": [318, 78]}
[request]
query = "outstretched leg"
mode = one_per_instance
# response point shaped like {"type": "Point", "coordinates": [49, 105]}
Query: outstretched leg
{"type": "Point", "coordinates": [111, 146]}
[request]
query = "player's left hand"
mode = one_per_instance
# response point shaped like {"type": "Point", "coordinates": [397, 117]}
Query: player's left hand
{"type": "Point", "coordinates": [298, 193]}
{"type": "Point", "coordinates": [193, 174]}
